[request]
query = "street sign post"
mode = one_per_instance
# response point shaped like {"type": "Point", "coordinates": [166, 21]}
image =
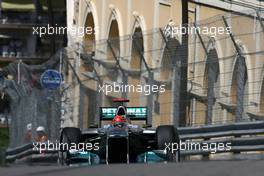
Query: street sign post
{"type": "Point", "coordinates": [51, 79]}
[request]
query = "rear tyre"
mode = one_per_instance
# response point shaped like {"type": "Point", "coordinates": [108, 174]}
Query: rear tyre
{"type": "Point", "coordinates": [68, 135]}
{"type": "Point", "coordinates": [166, 135]}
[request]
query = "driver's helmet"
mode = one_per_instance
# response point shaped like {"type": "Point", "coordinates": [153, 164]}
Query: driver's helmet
{"type": "Point", "coordinates": [119, 119]}
{"type": "Point", "coordinates": [120, 115]}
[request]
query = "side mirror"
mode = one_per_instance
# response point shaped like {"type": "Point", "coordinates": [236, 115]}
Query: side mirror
{"type": "Point", "coordinates": [93, 126]}
{"type": "Point", "coordinates": [147, 126]}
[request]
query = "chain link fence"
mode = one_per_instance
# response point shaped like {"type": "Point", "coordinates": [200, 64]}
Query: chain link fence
{"type": "Point", "coordinates": [225, 78]}
{"type": "Point", "coordinates": [28, 102]}
{"type": "Point", "coordinates": [225, 70]}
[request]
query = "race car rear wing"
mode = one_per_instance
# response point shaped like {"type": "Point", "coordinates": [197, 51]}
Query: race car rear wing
{"type": "Point", "coordinates": [134, 113]}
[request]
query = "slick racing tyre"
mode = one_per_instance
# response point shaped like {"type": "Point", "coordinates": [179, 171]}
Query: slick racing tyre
{"type": "Point", "coordinates": [166, 135]}
{"type": "Point", "coordinates": [68, 135]}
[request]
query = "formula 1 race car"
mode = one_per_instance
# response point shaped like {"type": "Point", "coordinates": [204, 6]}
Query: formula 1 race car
{"type": "Point", "coordinates": [119, 141]}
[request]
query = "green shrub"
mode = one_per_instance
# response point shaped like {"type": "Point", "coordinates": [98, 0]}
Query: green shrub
{"type": "Point", "coordinates": [4, 137]}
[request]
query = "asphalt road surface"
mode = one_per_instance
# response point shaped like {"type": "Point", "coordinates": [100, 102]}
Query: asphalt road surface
{"type": "Point", "coordinates": [198, 168]}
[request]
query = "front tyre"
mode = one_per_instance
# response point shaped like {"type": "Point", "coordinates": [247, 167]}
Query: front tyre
{"type": "Point", "coordinates": [68, 135]}
{"type": "Point", "coordinates": [167, 135]}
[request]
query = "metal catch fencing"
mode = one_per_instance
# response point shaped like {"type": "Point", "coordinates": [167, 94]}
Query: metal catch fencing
{"type": "Point", "coordinates": [225, 71]}
{"type": "Point", "coordinates": [224, 77]}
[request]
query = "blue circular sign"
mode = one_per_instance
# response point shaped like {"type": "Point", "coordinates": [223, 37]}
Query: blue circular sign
{"type": "Point", "coordinates": [51, 79]}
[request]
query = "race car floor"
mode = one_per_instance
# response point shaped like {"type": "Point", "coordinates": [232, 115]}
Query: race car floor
{"type": "Point", "coordinates": [197, 168]}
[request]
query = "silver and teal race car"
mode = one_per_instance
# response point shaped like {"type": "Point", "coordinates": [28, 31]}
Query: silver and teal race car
{"type": "Point", "coordinates": [119, 141]}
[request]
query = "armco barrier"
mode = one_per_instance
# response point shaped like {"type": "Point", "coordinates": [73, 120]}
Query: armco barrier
{"type": "Point", "coordinates": [26, 153]}
{"type": "Point", "coordinates": [243, 136]}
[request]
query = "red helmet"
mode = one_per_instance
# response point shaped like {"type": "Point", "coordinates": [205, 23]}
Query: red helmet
{"type": "Point", "coordinates": [119, 118]}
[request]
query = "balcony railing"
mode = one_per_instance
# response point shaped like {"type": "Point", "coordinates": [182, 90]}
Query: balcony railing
{"type": "Point", "coordinates": [8, 53]}
{"type": "Point", "coordinates": [29, 18]}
